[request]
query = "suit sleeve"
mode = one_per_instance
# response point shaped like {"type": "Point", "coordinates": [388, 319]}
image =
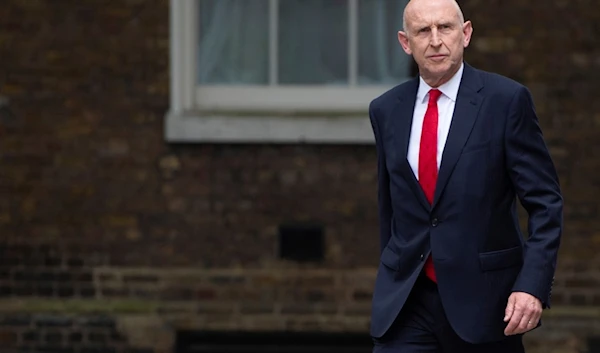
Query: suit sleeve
{"type": "Point", "coordinates": [535, 180]}
{"type": "Point", "coordinates": [383, 183]}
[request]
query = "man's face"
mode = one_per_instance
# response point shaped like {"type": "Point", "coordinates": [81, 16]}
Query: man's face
{"type": "Point", "coordinates": [436, 37]}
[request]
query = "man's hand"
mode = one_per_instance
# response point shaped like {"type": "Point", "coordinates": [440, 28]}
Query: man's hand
{"type": "Point", "coordinates": [523, 313]}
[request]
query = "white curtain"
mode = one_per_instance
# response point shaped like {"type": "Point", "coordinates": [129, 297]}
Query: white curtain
{"type": "Point", "coordinates": [312, 43]}
{"type": "Point", "coordinates": [381, 58]}
{"type": "Point", "coordinates": [234, 42]}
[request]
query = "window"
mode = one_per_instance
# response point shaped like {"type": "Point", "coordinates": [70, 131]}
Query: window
{"type": "Point", "coordinates": [281, 70]}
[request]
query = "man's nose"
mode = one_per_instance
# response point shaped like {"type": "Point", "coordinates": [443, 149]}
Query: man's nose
{"type": "Point", "coordinates": [436, 41]}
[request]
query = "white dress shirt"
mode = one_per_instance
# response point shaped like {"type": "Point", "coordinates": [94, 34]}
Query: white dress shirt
{"type": "Point", "coordinates": [445, 104]}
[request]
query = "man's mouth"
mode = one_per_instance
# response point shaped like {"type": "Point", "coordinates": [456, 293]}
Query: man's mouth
{"type": "Point", "coordinates": [437, 57]}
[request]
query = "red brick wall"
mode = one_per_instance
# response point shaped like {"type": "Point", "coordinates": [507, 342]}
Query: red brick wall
{"type": "Point", "coordinates": [91, 190]}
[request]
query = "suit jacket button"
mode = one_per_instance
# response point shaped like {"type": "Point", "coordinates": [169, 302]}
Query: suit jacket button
{"type": "Point", "coordinates": [422, 257]}
{"type": "Point", "coordinates": [434, 222]}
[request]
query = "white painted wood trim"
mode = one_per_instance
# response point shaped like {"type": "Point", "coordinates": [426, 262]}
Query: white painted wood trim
{"type": "Point", "coordinates": [287, 98]}
{"type": "Point", "coordinates": [273, 42]}
{"type": "Point", "coordinates": [352, 42]}
{"type": "Point", "coordinates": [183, 51]}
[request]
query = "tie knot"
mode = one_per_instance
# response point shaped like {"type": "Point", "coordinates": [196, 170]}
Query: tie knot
{"type": "Point", "coordinates": [434, 95]}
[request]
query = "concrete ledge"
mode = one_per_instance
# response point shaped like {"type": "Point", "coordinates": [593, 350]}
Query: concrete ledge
{"type": "Point", "coordinates": [222, 127]}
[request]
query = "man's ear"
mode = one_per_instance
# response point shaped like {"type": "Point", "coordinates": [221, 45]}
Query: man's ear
{"type": "Point", "coordinates": [467, 32]}
{"type": "Point", "coordinates": [403, 39]}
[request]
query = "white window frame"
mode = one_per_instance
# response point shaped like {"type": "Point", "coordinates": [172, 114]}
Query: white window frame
{"type": "Point", "coordinates": [262, 114]}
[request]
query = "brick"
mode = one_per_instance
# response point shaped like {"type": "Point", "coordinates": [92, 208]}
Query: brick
{"type": "Point", "coordinates": [578, 299]}
{"type": "Point", "coordinates": [114, 292]}
{"type": "Point", "coordinates": [53, 321]}
{"type": "Point", "coordinates": [66, 291]}
{"type": "Point", "coordinates": [8, 338]}
{"type": "Point", "coordinates": [309, 325]}
{"type": "Point", "coordinates": [33, 261]}
{"type": "Point", "coordinates": [581, 283]}
{"type": "Point", "coordinates": [327, 308]}
{"type": "Point", "coordinates": [257, 308]}
{"type": "Point", "coordinates": [362, 309]}
{"type": "Point", "coordinates": [559, 298]}
{"type": "Point", "coordinates": [30, 337]}
{"type": "Point", "coordinates": [24, 290]}
{"type": "Point", "coordinates": [10, 261]}
{"type": "Point", "coordinates": [98, 350]}
{"type": "Point", "coordinates": [297, 309]}
{"type": "Point", "coordinates": [64, 276]}
{"type": "Point", "coordinates": [52, 262]}
{"type": "Point", "coordinates": [53, 338]}
{"type": "Point", "coordinates": [216, 308]}
{"type": "Point", "coordinates": [315, 281]}
{"type": "Point", "coordinates": [44, 290]}
{"type": "Point", "coordinates": [53, 349]}
{"type": "Point", "coordinates": [362, 296]}
{"type": "Point", "coordinates": [107, 277]}
{"type": "Point", "coordinates": [5, 291]}
{"type": "Point", "coordinates": [87, 292]}
{"type": "Point", "coordinates": [309, 295]}
{"type": "Point", "coordinates": [75, 337]}
{"type": "Point", "coordinates": [24, 276]}
{"type": "Point", "coordinates": [116, 338]}
{"type": "Point", "coordinates": [45, 276]}
{"type": "Point", "coordinates": [359, 279]}
{"type": "Point", "coordinates": [206, 294]}
{"type": "Point", "coordinates": [177, 293]}
{"type": "Point", "coordinates": [97, 337]}
{"type": "Point", "coordinates": [140, 278]}
{"type": "Point", "coordinates": [19, 320]}
{"type": "Point", "coordinates": [98, 322]}
{"type": "Point", "coordinates": [234, 279]}
{"type": "Point", "coordinates": [144, 292]}
{"type": "Point", "coordinates": [167, 308]}
{"type": "Point", "coordinates": [316, 295]}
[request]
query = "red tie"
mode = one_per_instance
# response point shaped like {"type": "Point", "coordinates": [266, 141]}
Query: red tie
{"type": "Point", "coordinates": [428, 170]}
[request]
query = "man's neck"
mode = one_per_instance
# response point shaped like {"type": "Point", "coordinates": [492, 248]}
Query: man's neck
{"type": "Point", "coordinates": [436, 82]}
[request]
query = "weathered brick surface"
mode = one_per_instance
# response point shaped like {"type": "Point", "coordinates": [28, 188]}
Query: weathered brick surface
{"type": "Point", "coordinates": [89, 186]}
{"type": "Point", "coordinates": [86, 162]}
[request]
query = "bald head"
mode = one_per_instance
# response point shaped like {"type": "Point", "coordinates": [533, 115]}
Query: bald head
{"type": "Point", "coordinates": [436, 36]}
{"type": "Point", "coordinates": [415, 7]}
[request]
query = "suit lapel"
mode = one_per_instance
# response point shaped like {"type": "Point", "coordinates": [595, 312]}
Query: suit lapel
{"type": "Point", "coordinates": [402, 118]}
{"type": "Point", "coordinates": [466, 109]}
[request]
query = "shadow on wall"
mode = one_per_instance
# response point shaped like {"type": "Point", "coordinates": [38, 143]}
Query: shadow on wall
{"type": "Point", "coordinates": [272, 342]}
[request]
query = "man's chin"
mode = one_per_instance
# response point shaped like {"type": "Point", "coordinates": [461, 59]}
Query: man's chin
{"type": "Point", "coordinates": [438, 71]}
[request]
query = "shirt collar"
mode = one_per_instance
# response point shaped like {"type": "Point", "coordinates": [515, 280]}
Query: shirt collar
{"type": "Point", "coordinates": [449, 89]}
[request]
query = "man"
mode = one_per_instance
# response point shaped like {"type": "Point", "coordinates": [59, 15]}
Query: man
{"type": "Point", "coordinates": [456, 147]}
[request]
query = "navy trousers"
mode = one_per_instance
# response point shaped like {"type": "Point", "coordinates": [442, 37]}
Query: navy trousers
{"type": "Point", "coordinates": [422, 327]}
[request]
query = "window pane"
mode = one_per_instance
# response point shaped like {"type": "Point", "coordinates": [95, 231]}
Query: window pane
{"type": "Point", "coordinates": [234, 42]}
{"type": "Point", "coordinates": [381, 58]}
{"type": "Point", "coordinates": [313, 42]}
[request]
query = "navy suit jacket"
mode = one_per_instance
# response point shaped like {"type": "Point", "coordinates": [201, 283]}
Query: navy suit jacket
{"type": "Point", "coordinates": [494, 155]}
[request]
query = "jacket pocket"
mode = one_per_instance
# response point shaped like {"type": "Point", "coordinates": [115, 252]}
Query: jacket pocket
{"type": "Point", "coordinates": [390, 258]}
{"type": "Point", "coordinates": [482, 146]}
{"type": "Point", "coordinates": [497, 260]}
